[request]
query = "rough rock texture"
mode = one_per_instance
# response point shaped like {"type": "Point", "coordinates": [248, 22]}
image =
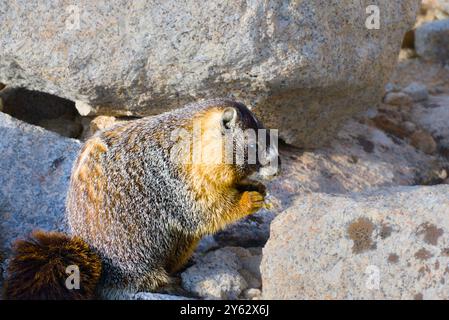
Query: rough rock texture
{"type": "Point", "coordinates": [363, 156]}
{"type": "Point", "coordinates": [35, 170]}
{"type": "Point", "coordinates": [387, 244]}
{"type": "Point", "coordinates": [34, 174]}
{"type": "Point", "coordinates": [304, 65]}
{"type": "Point", "coordinates": [224, 273]}
{"type": "Point", "coordinates": [432, 41]}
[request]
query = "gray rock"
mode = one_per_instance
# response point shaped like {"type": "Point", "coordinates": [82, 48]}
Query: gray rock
{"type": "Point", "coordinates": [435, 9]}
{"type": "Point", "coordinates": [293, 62]}
{"type": "Point", "coordinates": [398, 99]}
{"type": "Point", "coordinates": [206, 244]}
{"type": "Point", "coordinates": [417, 91]}
{"type": "Point", "coordinates": [432, 41]}
{"type": "Point", "coordinates": [360, 158]}
{"type": "Point", "coordinates": [392, 87]}
{"type": "Point", "coordinates": [215, 276]}
{"type": "Point", "coordinates": [34, 175]}
{"type": "Point", "coordinates": [387, 244]}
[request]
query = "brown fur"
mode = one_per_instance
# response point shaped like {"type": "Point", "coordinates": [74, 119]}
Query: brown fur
{"type": "Point", "coordinates": [37, 270]}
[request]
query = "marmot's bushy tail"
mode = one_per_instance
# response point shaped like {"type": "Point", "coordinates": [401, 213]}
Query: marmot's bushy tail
{"type": "Point", "coordinates": [38, 268]}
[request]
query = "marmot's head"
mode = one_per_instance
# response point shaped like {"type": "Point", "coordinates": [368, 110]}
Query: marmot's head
{"type": "Point", "coordinates": [228, 143]}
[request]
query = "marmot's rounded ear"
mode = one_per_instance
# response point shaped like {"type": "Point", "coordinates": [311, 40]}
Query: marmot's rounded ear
{"type": "Point", "coordinates": [229, 118]}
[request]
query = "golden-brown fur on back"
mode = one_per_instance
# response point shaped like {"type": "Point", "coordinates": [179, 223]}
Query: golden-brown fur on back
{"type": "Point", "coordinates": [38, 268]}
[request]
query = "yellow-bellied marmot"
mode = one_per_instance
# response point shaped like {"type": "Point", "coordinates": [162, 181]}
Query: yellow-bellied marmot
{"type": "Point", "coordinates": [140, 201]}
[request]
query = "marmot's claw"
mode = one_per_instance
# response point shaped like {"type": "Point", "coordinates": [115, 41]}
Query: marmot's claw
{"type": "Point", "coordinates": [254, 200]}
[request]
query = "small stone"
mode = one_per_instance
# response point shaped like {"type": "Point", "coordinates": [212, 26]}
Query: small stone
{"type": "Point", "coordinates": [215, 276]}
{"type": "Point", "coordinates": [252, 293]}
{"type": "Point", "coordinates": [423, 141]}
{"type": "Point", "coordinates": [398, 99]}
{"type": "Point", "coordinates": [418, 92]}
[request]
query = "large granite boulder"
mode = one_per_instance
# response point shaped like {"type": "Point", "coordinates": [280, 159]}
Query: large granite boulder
{"type": "Point", "coordinates": [387, 244]}
{"type": "Point", "coordinates": [304, 66]}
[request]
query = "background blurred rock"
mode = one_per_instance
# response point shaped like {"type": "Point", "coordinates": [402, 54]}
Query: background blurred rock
{"type": "Point", "coordinates": [401, 139]}
{"type": "Point", "coordinates": [433, 10]}
{"type": "Point", "coordinates": [303, 66]}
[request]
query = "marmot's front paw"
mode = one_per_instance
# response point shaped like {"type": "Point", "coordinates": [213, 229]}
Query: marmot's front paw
{"type": "Point", "coordinates": [252, 200]}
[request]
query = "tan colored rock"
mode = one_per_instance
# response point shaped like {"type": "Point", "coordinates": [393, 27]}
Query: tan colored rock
{"type": "Point", "coordinates": [417, 91]}
{"type": "Point", "coordinates": [386, 244]}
